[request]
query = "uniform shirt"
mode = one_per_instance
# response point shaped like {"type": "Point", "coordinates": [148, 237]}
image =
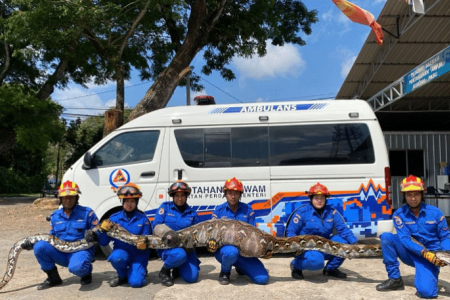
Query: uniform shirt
{"type": "Point", "coordinates": [307, 221]}
{"type": "Point", "coordinates": [71, 228]}
{"type": "Point", "coordinates": [243, 213]}
{"type": "Point", "coordinates": [429, 228]}
{"type": "Point", "coordinates": [138, 224]}
{"type": "Point", "coordinates": [169, 214]}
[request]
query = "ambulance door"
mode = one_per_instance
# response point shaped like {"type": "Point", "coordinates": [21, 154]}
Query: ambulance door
{"type": "Point", "coordinates": [132, 156]}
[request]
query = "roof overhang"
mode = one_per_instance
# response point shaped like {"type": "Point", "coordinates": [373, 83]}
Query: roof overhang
{"type": "Point", "coordinates": [378, 71]}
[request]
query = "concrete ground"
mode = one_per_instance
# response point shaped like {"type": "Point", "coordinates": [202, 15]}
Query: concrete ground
{"type": "Point", "coordinates": [20, 219]}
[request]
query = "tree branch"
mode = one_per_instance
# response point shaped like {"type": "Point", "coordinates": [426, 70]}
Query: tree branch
{"type": "Point", "coordinates": [49, 86]}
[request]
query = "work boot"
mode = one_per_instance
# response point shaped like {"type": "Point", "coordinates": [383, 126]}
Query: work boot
{"type": "Point", "coordinates": [53, 279]}
{"type": "Point", "coordinates": [391, 285]}
{"type": "Point", "coordinates": [335, 273]}
{"type": "Point", "coordinates": [296, 273]}
{"type": "Point", "coordinates": [87, 279]}
{"type": "Point", "coordinates": [224, 278]}
{"type": "Point", "coordinates": [164, 274]}
{"type": "Point", "coordinates": [175, 273]}
{"type": "Point", "coordinates": [117, 281]}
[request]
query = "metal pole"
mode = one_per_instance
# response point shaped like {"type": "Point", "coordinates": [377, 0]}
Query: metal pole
{"type": "Point", "coordinates": [188, 88]}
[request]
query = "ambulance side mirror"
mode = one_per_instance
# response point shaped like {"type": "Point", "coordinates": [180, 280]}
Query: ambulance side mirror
{"type": "Point", "coordinates": [87, 161]}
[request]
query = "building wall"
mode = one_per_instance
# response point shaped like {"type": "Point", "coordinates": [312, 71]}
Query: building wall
{"type": "Point", "coordinates": [436, 146]}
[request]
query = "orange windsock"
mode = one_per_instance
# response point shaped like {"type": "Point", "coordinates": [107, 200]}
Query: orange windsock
{"type": "Point", "coordinates": [361, 16]}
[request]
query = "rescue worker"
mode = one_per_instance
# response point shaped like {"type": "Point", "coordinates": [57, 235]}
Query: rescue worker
{"type": "Point", "coordinates": [228, 255]}
{"type": "Point", "coordinates": [427, 225]}
{"type": "Point", "coordinates": [177, 214]}
{"type": "Point", "coordinates": [129, 261]}
{"type": "Point", "coordinates": [69, 224]}
{"type": "Point", "coordinates": [318, 218]}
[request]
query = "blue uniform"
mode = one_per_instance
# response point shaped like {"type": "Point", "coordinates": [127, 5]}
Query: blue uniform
{"type": "Point", "coordinates": [429, 228]}
{"type": "Point", "coordinates": [68, 228]}
{"type": "Point", "coordinates": [306, 220]}
{"type": "Point", "coordinates": [129, 262]}
{"type": "Point", "coordinates": [188, 263]}
{"type": "Point", "coordinates": [228, 255]}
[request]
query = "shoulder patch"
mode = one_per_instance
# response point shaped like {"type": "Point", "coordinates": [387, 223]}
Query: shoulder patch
{"type": "Point", "coordinates": [90, 214]}
{"type": "Point", "coordinates": [95, 222]}
{"type": "Point", "coordinates": [161, 211]}
{"type": "Point", "coordinates": [442, 218]}
{"type": "Point", "coordinates": [334, 211]}
{"type": "Point", "coordinates": [252, 213]}
{"type": "Point", "coordinates": [295, 220]}
{"type": "Point", "coordinates": [398, 221]}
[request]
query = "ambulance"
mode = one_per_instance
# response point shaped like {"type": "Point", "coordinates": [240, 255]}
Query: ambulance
{"type": "Point", "coordinates": [278, 150]}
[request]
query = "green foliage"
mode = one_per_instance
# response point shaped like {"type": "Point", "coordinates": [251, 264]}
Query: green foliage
{"type": "Point", "coordinates": [34, 122]}
{"type": "Point", "coordinates": [16, 182]}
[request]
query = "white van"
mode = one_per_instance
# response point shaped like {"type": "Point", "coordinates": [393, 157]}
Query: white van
{"type": "Point", "coordinates": [278, 150]}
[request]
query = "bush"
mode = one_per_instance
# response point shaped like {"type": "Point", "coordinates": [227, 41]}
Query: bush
{"type": "Point", "coordinates": [14, 182]}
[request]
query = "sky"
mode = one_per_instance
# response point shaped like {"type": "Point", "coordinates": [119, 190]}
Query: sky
{"type": "Point", "coordinates": [313, 71]}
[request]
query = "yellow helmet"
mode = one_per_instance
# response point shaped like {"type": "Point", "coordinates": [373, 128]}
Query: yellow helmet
{"type": "Point", "coordinates": [68, 188]}
{"type": "Point", "coordinates": [412, 183]}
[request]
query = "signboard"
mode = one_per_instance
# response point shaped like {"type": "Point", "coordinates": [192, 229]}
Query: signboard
{"type": "Point", "coordinates": [429, 70]}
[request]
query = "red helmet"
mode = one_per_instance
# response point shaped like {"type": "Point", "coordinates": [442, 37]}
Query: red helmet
{"type": "Point", "coordinates": [318, 189]}
{"type": "Point", "coordinates": [233, 184]}
{"type": "Point", "coordinates": [68, 188]}
{"type": "Point", "coordinates": [179, 186]}
{"type": "Point", "coordinates": [412, 183]}
{"type": "Point", "coordinates": [129, 190]}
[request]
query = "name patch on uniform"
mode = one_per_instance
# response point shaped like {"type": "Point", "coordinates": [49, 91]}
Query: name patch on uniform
{"type": "Point", "coordinates": [330, 220]}
{"type": "Point", "coordinates": [410, 223]}
{"type": "Point", "coordinates": [140, 225]}
{"type": "Point", "coordinates": [161, 211]}
{"type": "Point", "coordinates": [431, 222]}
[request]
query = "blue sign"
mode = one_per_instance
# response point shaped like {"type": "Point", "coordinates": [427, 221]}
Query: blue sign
{"type": "Point", "coordinates": [429, 70]}
{"type": "Point", "coordinates": [267, 108]}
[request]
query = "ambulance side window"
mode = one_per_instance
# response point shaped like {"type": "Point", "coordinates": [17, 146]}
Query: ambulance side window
{"type": "Point", "coordinates": [321, 144]}
{"type": "Point", "coordinates": [127, 148]}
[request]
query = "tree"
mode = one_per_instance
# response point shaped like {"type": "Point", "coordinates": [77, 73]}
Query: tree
{"type": "Point", "coordinates": [224, 29]}
{"type": "Point", "coordinates": [28, 121]}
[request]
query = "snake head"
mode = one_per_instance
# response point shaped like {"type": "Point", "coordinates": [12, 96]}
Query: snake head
{"type": "Point", "coordinates": [106, 225]}
{"type": "Point", "coordinates": [212, 245]}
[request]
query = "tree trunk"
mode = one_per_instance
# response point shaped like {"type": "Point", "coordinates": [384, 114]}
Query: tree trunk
{"type": "Point", "coordinates": [49, 86]}
{"type": "Point", "coordinates": [161, 90]}
{"type": "Point", "coordinates": [8, 139]}
{"type": "Point", "coordinates": [112, 120]}
{"type": "Point", "coordinates": [7, 64]}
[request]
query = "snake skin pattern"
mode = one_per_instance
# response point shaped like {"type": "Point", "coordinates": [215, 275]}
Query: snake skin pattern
{"type": "Point", "coordinates": [212, 234]}
{"type": "Point", "coordinates": [68, 247]}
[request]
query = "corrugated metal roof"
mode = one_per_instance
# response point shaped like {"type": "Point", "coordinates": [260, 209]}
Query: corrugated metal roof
{"type": "Point", "coordinates": [414, 39]}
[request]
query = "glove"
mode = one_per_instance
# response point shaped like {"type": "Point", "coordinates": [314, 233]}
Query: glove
{"type": "Point", "coordinates": [142, 243]}
{"type": "Point", "coordinates": [171, 239]}
{"type": "Point", "coordinates": [431, 257]}
{"type": "Point", "coordinates": [90, 236]}
{"type": "Point", "coordinates": [27, 245]}
{"type": "Point", "coordinates": [106, 225]}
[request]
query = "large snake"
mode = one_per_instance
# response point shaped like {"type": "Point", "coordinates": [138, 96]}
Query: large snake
{"type": "Point", "coordinates": [212, 234]}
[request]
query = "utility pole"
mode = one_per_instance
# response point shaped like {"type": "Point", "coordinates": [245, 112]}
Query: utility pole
{"type": "Point", "coordinates": [188, 88]}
